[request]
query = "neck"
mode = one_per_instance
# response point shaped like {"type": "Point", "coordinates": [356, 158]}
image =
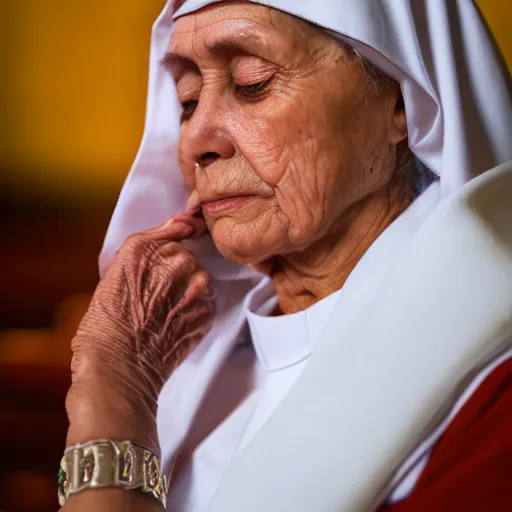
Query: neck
{"type": "Point", "coordinates": [303, 278]}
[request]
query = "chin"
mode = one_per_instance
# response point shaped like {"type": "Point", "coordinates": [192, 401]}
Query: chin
{"type": "Point", "coordinates": [240, 243]}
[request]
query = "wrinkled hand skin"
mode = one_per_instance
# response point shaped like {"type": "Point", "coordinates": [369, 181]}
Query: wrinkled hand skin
{"type": "Point", "coordinates": [153, 306]}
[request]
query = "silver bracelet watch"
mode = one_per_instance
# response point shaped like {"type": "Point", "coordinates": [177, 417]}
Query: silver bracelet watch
{"type": "Point", "coordinates": [106, 463]}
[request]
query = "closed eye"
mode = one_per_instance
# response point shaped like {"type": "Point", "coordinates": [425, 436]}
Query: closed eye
{"type": "Point", "coordinates": [249, 92]}
{"type": "Point", "coordinates": [187, 109]}
{"type": "Point", "coordinates": [252, 91]}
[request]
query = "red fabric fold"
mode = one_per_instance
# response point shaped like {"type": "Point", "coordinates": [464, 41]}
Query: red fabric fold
{"type": "Point", "coordinates": [470, 469]}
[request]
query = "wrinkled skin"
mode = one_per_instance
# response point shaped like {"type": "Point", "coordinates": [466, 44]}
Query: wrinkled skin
{"type": "Point", "coordinates": [312, 147]}
{"type": "Point", "coordinates": [273, 109]}
{"type": "Point", "coordinates": [152, 307]}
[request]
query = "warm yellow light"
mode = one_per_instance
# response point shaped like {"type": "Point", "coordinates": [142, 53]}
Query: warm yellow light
{"type": "Point", "coordinates": [76, 86]}
{"type": "Point", "coordinates": [498, 14]}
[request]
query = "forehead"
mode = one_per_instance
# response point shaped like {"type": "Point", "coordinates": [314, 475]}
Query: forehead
{"type": "Point", "coordinates": [222, 11]}
{"type": "Point", "coordinates": [230, 23]}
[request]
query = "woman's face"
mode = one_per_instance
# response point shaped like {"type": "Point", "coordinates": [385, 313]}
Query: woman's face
{"type": "Point", "coordinates": [279, 117]}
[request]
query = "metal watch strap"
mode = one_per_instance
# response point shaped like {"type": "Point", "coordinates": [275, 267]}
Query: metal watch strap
{"type": "Point", "coordinates": [106, 463]}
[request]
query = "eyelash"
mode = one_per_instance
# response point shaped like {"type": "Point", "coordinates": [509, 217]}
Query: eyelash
{"type": "Point", "coordinates": [250, 92]}
{"type": "Point", "coordinates": [187, 109]}
{"type": "Point", "coordinates": [253, 91]}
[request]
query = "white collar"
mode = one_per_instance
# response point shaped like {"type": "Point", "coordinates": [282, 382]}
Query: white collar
{"type": "Point", "coordinates": [282, 341]}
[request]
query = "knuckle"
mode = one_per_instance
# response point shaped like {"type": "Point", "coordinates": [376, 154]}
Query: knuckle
{"type": "Point", "coordinates": [177, 254]}
{"type": "Point", "coordinates": [202, 280]}
{"type": "Point", "coordinates": [190, 258]}
{"type": "Point", "coordinates": [171, 248]}
{"type": "Point", "coordinates": [189, 263]}
{"type": "Point", "coordinates": [183, 260]}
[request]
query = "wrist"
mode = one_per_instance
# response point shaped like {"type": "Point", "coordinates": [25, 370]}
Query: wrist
{"type": "Point", "coordinates": [100, 413]}
{"type": "Point", "coordinates": [105, 363]}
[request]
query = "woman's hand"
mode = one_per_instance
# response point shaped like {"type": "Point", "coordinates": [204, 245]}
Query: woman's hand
{"type": "Point", "coordinates": [153, 306]}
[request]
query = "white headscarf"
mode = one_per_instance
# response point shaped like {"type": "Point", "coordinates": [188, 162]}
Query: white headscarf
{"type": "Point", "coordinates": [457, 98]}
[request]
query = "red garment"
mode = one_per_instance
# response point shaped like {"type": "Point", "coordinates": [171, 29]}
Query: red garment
{"type": "Point", "coordinates": [470, 469]}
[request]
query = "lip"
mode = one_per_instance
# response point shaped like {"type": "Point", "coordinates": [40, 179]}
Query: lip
{"type": "Point", "coordinates": [226, 204]}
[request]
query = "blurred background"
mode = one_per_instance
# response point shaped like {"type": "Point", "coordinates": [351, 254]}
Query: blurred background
{"type": "Point", "coordinates": [73, 99]}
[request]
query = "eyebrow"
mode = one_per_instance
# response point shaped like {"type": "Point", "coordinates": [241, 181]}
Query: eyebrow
{"type": "Point", "coordinates": [172, 62]}
{"type": "Point", "coordinates": [250, 42]}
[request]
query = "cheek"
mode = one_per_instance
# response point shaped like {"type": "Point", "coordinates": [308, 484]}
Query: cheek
{"type": "Point", "coordinates": [356, 150]}
{"type": "Point", "coordinates": [263, 146]}
{"type": "Point", "coordinates": [272, 134]}
{"type": "Point", "coordinates": [369, 161]}
{"type": "Point", "coordinates": [284, 152]}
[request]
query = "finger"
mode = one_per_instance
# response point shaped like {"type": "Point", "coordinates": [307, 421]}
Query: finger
{"type": "Point", "coordinates": [184, 261]}
{"type": "Point", "coordinates": [198, 222]}
{"type": "Point", "coordinates": [176, 228]}
{"type": "Point", "coordinates": [201, 229]}
{"type": "Point", "coordinates": [179, 227]}
{"type": "Point", "coordinates": [199, 287]}
{"type": "Point", "coordinates": [193, 203]}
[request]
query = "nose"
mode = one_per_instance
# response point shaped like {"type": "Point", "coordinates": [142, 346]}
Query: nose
{"type": "Point", "coordinates": [205, 137]}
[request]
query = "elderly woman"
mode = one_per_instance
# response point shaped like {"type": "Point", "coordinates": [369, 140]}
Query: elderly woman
{"type": "Point", "coordinates": [325, 318]}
